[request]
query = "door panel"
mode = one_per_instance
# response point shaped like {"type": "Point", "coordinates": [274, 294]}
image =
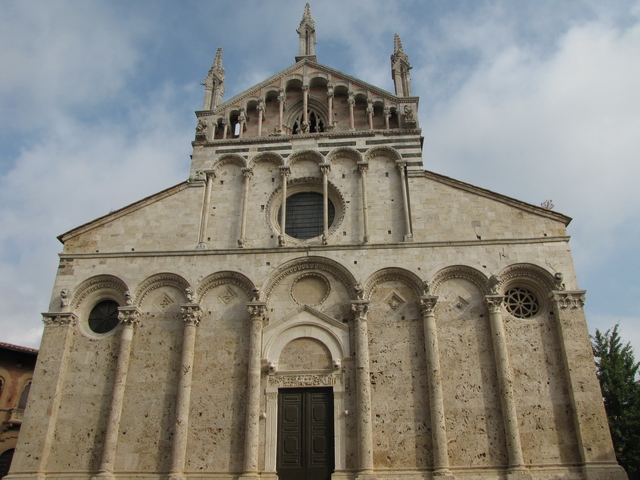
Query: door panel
{"type": "Point", "coordinates": [305, 434]}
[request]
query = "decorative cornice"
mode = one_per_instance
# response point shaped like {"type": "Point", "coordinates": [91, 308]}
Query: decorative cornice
{"type": "Point", "coordinates": [569, 299]}
{"type": "Point", "coordinates": [59, 319]}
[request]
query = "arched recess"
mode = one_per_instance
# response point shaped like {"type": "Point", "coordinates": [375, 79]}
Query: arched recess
{"type": "Point", "coordinates": [309, 263]}
{"type": "Point", "coordinates": [158, 281]}
{"type": "Point", "coordinates": [458, 271]}
{"type": "Point", "coordinates": [309, 155]}
{"type": "Point", "coordinates": [270, 157]}
{"type": "Point", "coordinates": [317, 116]}
{"type": "Point", "coordinates": [98, 288]}
{"type": "Point", "coordinates": [345, 152]}
{"type": "Point", "coordinates": [382, 151]}
{"type": "Point", "coordinates": [229, 159]}
{"type": "Point", "coordinates": [394, 274]}
{"type": "Point", "coordinates": [225, 277]}
{"type": "Point", "coordinates": [533, 275]}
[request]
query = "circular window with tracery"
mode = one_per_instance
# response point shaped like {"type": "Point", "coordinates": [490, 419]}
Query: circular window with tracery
{"type": "Point", "coordinates": [104, 317]}
{"type": "Point", "coordinates": [521, 302]}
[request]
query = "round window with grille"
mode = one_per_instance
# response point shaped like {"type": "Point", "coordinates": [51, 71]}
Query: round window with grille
{"type": "Point", "coordinates": [104, 317]}
{"type": "Point", "coordinates": [305, 215]}
{"type": "Point", "coordinates": [521, 302]}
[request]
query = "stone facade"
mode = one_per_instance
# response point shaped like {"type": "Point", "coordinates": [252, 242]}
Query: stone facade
{"type": "Point", "coordinates": [440, 323]}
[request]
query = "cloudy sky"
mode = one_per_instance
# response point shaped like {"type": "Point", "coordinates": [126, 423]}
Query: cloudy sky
{"type": "Point", "coordinates": [535, 99]}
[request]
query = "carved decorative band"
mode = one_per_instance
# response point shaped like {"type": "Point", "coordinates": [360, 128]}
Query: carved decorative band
{"type": "Point", "coordinates": [569, 299]}
{"type": "Point", "coordinates": [309, 380]}
{"type": "Point", "coordinates": [59, 319]}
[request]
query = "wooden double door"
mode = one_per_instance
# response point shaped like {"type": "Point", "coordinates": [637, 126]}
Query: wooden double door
{"type": "Point", "coordinates": [305, 434]}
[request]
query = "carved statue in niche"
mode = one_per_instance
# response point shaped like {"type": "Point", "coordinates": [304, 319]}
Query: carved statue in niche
{"type": "Point", "coordinates": [409, 117]}
{"type": "Point", "coordinates": [201, 129]}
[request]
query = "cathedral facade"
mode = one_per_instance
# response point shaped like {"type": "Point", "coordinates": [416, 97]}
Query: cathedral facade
{"type": "Point", "coordinates": [312, 304]}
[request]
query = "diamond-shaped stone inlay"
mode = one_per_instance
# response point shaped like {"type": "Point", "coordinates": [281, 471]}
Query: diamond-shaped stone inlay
{"type": "Point", "coordinates": [227, 295]}
{"type": "Point", "coordinates": [395, 301]}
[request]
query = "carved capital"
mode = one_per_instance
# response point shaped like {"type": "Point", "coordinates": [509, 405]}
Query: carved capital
{"type": "Point", "coordinates": [260, 106]}
{"type": "Point", "coordinates": [369, 110]}
{"type": "Point", "coordinates": [129, 315]}
{"type": "Point", "coordinates": [59, 319]}
{"type": "Point", "coordinates": [191, 314]}
{"type": "Point", "coordinates": [428, 304]}
{"type": "Point", "coordinates": [329, 93]}
{"type": "Point", "coordinates": [360, 308]}
{"type": "Point", "coordinates": [569, 300]}
{"type": "Point", "coordinates": [494, 303]}
{"type": "Point", "coordinates": [257, 311]}
{"type": "Point", "coordinates": [305, 88]}
{"type": "Point", "coordinates": [247, 172]}
{"type": "Point", "coordinates": [400, 165]}
{"type": "Point", "coordinates": [387, 111]}
{"type": "Point", "coordinates": [285, 171]}
{"type": "Point", "coordinates": [325, 168]}
{"type": "Point", "coordinates": [363, 167]}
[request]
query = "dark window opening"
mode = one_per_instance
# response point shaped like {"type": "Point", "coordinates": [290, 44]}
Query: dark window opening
{"type": "Point", "coordinates": [104, 317]}
{"type": "Point", "coordinates": [305, 216]}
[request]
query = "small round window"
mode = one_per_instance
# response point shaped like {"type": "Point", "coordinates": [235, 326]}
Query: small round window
{"type": "Point", "coordinates": [305, 215]}
{"type": "Point", "coordinates": [104, 317]}
{"type": "Point", "coordinates": [521, 302]}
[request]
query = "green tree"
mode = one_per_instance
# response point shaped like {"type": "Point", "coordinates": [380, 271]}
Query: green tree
{"type": "Point", "coordinates": [617, 371]}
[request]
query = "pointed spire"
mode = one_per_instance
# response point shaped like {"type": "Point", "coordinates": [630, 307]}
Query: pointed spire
{"type": "Point", "coordinates": [307, 34]}
{"type": "Point", "coordinates": [214, 83]}
{"type": "Point", "coordinates": [400, 69]}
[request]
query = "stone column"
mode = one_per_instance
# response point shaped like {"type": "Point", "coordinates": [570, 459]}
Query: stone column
{"type": "Point", "coordinates": [260, 108]}
{"type": "Point", "coordinates": [257, 313]}
{"type": "Point", "coordinates": [128, 317]}
{"type": "Point", "coordinates": [208, 96]}
{"type": "Point", "coordinates": [224, 127]}
{"type": "Point", "coordinates": [247, 173]}
{"type": "Point", "coordinates": [363, 392]}
{"type": "Point", "coordinates": [436, 398]}
{"type": "Point", "coordinates": [325, 168]}
{"type": "Point", "coordinates": [242, 118]}
{"type": "Point", "coordinates": [281, 99]}
{"type": "Point", "coordinates": [330, 124]}
{"type": "Point", "coordinates": [362, 168]}
{"type": "Point", "coordinates": [284, 173]}
{"type": "Point", "coordinates": [370, 112]}
{"type": "Point", "coordinates": [408, 237]}
{"type": "Point", "coordinates": [594, 443]}
{"type": "Point", "coordinates": [58, 336]}
{"type": "Point", "coordinates": [206, 203]}
{"type": "Point", "coordinates": [387, 116]}
{"type": "Point", "coordinates": [305, 107]}
{"type": "Point", "coordinates": [352, 103]}
{"type": "Point", "coordinates": [516, 467]}
{"type": "Point", "coordinates": [191, 315]}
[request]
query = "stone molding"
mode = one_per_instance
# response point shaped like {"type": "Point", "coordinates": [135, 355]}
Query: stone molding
{"type": "Point", "coordinates": [382, 151]}
{"type": "Point", "coordinates": [344, 152]}
{"type": "Point", "coordinates": [309, 264]}
{"type": "Point", "coordinates": [229, 159]}
{"type": "Point", "coordinates": [222, 278]}
{"type": "Point", "coordinates": [462, 272]}
{"type": "Point", "coordinates": [312, 155]}
{"type": "Point", "coordinates": [272, 157]}
{"type": "Point", "coordinates": [569, 299]}
{"type": "Point", "coordinates": [158, 281]}
{"type": "Point", "coordinates": [97, 283]}
{"type": "Point", "coordinates": [394, 274]}
{"type": "Point", "coordinates": [59, 319]}
{"type": "Point", "coordinates": [529, 273]}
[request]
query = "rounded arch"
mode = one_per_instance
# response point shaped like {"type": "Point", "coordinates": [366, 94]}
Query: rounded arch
{"type": "Point", "coordinates": [348, 152]}
{"type": "Point", "coordinates": [295, 82]}
{"type": "Point", "coordinates": [271, 157]}
{"type": "Point", "coordinates": [529, 274]}
{"type": "Point", "coordinates": [309, 263]}
{"type": "Point", "coordinates": [318, 79]}
{"type": "Point", "coordinates": [226, 277]}
{"type": "Point", "coordinates": [312, 155]}
{"type": "Point", "coordinates": [160, 280]}
{"type": "Point", "coordinates": [305, 329]}
{"type": "Point", "coordinates": [229, 158]}
{"type": "Point", "coordinates": [317, 112]}
{"type": "Point", "coordinates": [383, 151]}
{"type": "Point", "coordinates": [464, 272]}
{"type": "Point", "coordinates": [393, 273]}
{"type": "Point", "coordinates": [100, 287]}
